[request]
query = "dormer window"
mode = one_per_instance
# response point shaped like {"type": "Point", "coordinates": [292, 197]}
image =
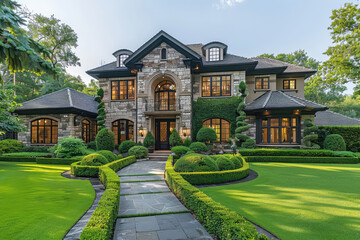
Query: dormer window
{"type": "Point", "coordinates": [214, 54]}
{"type": "Point", "coordinates": [121, 60]}
{"type": "Point", "coordinates": [163, 54]}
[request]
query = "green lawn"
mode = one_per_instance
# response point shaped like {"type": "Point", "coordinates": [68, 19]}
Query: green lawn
{"type": "Point", "coordinates": [298, 201]}
{"type": "Point", "coordinates": [36, 202]}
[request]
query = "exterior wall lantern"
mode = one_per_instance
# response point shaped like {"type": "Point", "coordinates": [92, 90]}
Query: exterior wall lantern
{"type": "Point", "coordinates": [76, 121]}
{"type": "Point", "coordinates": [185, 132]}
{"type": "Point", "coordinates": [141, 131]}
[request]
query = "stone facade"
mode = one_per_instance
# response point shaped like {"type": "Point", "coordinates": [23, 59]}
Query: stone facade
{"type": "Point", "coordinates": [66, 126]}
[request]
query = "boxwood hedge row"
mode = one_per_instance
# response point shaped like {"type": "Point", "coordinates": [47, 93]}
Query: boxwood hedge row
{"type": "Point", "coordinates": [296, 159]}
{"type": "Point", "coordinates": [286, 152]}
{"type": "Point", "coordinates": [216, 218]}
{"type": "Point", "coordinates": [38, 160]}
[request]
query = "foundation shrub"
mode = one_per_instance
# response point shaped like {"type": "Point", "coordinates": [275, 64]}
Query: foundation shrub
{"type": "Point", "coordinates": [179, 151]}
{"type": "Point", "coordinates": [187, 142]}
{"type": "Point", "coordinates": [225, 163]}
{"type": "Point", "coordinates": [196, 163]}
{"type": "Point", "coordinates": [335, 142]}
{"type": "Point", "coordinates": [110, 156]}
{"type": "Point", "coordinates": [105, 140]}
{"type": "Point", "coordinates": [44, 149]}
{"type": "Point", "coordinates": [198, 147]}
{"type": "Point", "coordinates": [206, 134]}
{"type": "Point", "coordinates": [126, 145]}
{"type": "Point", "coordinates": [10, 146]}
{"type": "Point", "coordinates": [91, 145]}
{"type": "Point", "coordinates": [94, 159]}
{"type": "Point", "coordinates": [149, 140]}
{"type": "Point", "coordinates": [139, 152]}
{"type": "Point", "coordinates": [175, 139]}
{"type": "Point", "coordinates": [70, 147]}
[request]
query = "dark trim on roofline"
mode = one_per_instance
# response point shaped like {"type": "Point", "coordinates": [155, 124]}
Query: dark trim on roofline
{"type": "Point", "coordinates": [297, 74]}
{"type": "Point", "coordinates": [261, 71]}
{"type": "Point", "coordinates": [111, 73]}
{"type": "Point", "coordinates": [226, 67]}
{"type": "Point", "coordinates": [38, 111]}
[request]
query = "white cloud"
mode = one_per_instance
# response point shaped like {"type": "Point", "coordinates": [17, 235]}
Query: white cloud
{"type": "Point", "coordinates": [228, 3]}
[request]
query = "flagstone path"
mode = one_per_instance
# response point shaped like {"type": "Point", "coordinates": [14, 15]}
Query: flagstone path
{"type": "Point", "coordinates": [149, 210]}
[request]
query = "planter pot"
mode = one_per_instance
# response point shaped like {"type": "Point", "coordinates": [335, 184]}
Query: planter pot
{"type": "Point", "coordinates": [151, 149]}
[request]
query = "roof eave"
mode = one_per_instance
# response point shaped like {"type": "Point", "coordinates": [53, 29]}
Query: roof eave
{"type": "Point", "coordinates": [227, 67]}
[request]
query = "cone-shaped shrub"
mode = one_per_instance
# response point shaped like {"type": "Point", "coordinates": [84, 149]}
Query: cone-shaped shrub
{"type": "Point", "coordinates": [105, 140]}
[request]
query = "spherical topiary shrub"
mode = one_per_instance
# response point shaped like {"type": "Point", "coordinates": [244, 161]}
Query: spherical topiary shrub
{"type": "Point", "coordinates": [138, 152]}
{"type": "Point", "coordinates": [225, 163]}
{"type": "Point", "coordinates": [179, 150]}
{"type": "Point", "coordinates": [126, 145]}
{"type": "Point", "coordinates": [237, 160]}
{"type": "Point", "coordinates": [93, 159]}
{"type": "Point", "coordinates": [108, 155]}
{"type": "Point", "coordinates": [195, 163]}
{"type": "Point", "coordinates": [249, 143]}
{"type": "Point", "coordinates": [335, 142]}
{"type": "Point", "coordinates": [105, 140]}
{"type": "Point", "coordinates": [198, 147]}
{"type": "Point", "coordinates": [187, 142]}
{"type": "Point", "coordinates": [206, 134]}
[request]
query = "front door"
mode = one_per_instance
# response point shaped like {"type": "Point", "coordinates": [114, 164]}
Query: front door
{"type": "Point", "coordinates": [163, 129]}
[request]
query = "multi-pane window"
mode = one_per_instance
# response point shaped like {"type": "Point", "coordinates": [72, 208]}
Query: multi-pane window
{"type": "Point", "coordinates": [122, 89]}
{"type": "Point", "coordinates": [214, 54]}
{"type": "Point", "coordinates": [262, 83]}
{"type": "Point", "coordinates": [221, 127]}
{"type": "Point", "coordinates": [85, 131]}
{"type": "Point", "coordinates": [123, 130]}
{"type": "Point", "coordinates": [279, 130]}
{"type": "Point", "coordinates": [289, 84]}
{"type": "Point", "coordinates": [44, 131]}
{"type": "Point", "coordinates": [165, 96]}
{"type": "Point", "coordinates": [216, 86]}
{"type": "Point", "coordinates": [122, 58]}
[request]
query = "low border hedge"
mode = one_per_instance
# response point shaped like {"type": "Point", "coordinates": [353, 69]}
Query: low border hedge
{"type": "Point", "coordinates": [286, 152]}
{"type": "Point", "coordinates": [38, 160]}
{"type": "Point", "coordinates": [295, 159]}
{"type": "Point", "coordinates": [17, 159]}
{"type": "Point", "coordinates": [216, 218]}
{"type": "Point", "coordinates": [93, 171]}
{"type": "Point", "coordinates": [216, 176]}
{"type": "Point", "coordinates": [102, 221]}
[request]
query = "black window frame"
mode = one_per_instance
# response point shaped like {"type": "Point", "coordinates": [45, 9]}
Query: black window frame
{"type": "Point", "coordinates": [262, 83]}
{"type": "Point", "coordinates": [163, 54]}
{"type": "Point", "coordinates": [289, 80]}
{"type": "Point", "coordinates": [211, 54]}
{"type": "Point", "coordinates": [118, 90]}
{"type": "Point", "coordinates": [86, 138]}
{"type": "Point", "coordinates": [38, 132]}
{"type": "Point", "coordinates": [118, 121]}
{"type": "Point", "coordinates": [220, 124]}
{"type": "Point", "coordinates": [211, 85]}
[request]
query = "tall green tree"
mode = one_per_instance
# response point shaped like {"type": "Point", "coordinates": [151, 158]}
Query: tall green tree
{"type": "Point", "coordinates": [8, 121]}
{"type": "Point", "coordinates": [92, 88]}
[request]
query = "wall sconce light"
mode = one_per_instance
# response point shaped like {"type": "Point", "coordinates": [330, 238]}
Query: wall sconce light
{"type": "Point", "coordinates": [141, 131]}
{"type": "Point", "coordinates": [297, 112]}
{"type": "Point", "coordinates": [266, 112]}
{"type": "Point", "coordinates": [185, 133]}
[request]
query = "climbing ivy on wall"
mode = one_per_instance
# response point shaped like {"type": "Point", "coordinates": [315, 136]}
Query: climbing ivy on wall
{"type": "Point", "coordinates": [101, 109]}
{"type": "Point", "coordinates": [206, 108]}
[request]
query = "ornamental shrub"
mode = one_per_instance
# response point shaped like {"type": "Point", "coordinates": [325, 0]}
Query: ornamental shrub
{"type": "Point", "coordinates": [70, 147]}
{"type": "Point", "coordinates": [310, 135]}
{"type": "Point", "coordinates": [91, 145]}
{"type": "Point", "coordinates": [93, 159]}
{"type": "Point", "coordinates": [206, 134]}
{"type": "Point", "coordinates": [101, 109]}
{"type": "Point", "coordinates": [10, 145]}
{"type": "Point", "coordinates": [344, 154]}
{"type": "Point", "coordinates": [149, 140]}
{"type": "Point", "coordinates": [237, 160]}
{"type": "Point", "coordinates": [249, 144]}
{"type": "Point", "coordinates": [179, 150]}
{"type": "Point", "coordinates": [36, 149]}
{"type": "Point", "coordinates": [119, 156]}
{"type": "Point", "coordinates": [198, 147]}
{"type": "Point", "coordinates": [225, 163]}
{"type": "Point", "coordinates": [351, 135]}
{"type": "Point", "coordinates": [105, 140]}
{"type": "Point", "coordinates": [110, 156]}
{"type": "Point", "coordinates": [138, 152]}
{"type": "Point", "coordinates": [175, 139]}
{"type": "Point", "coordinates": [335, 142]}
{"type": "Point", "coordinates": [196, 163]}
{"type": "Point", "coordinates": [125, 146]}
{"type": "Point", "coordinates": [187, 142]}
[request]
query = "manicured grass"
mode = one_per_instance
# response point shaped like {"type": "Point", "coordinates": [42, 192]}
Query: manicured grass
{"type": "Point", "coordinates": [38, 203]}
{"type": "Point", "coordinates": [27, 154]}
{"type": "Point", "coordinates": [298, 201]}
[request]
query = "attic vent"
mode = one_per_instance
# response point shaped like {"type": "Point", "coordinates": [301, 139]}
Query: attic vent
{"type": "Point", "coordinates": [163, 54]}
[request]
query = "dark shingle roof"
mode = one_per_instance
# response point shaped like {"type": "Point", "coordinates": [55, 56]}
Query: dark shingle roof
{"type": "Point", "coordinates": [264, 62]}
{"type": "Point", "coordinates": [229, 59]}
{"type": "Point", "coordinates": [331, 118]}
{"type": "Point", "coordinates": [63, 99]}
{"type": "Point", "coordinates": [279, 100]}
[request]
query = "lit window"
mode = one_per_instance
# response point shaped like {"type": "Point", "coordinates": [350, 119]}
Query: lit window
{"type": "Point", "coordinates": [122, 58]}
{"type": "Point", "coordinates": [279, 130]}
{"type": "Point", "coordinates": [163, 54]}
{"type": "Point", "coordinates": [122, 89]}
{"type": "Point", "coordinates": [85, 131]}
{"type": "Point", "coordinates": [123, 130]}
{"type": "Point", "coordinates": [289, 84]}
{"type": "Point", "coordinates": [216, 86]}
{"type": "Point", "coordinates": [214, 54]}
{"type": "Point", "coordinates": [262, 83]}
{"type": "Point", "coordinates": [221, 127]}
{"type": "Point", "coordinates": [44, 131]}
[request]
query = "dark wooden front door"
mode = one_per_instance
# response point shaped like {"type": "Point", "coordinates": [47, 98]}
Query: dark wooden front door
{"type": "Point", "coordinates": [163, 129]}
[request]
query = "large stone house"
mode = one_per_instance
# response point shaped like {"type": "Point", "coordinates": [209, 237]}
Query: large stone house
{"type": "Point", "coordinates": [156, 87]}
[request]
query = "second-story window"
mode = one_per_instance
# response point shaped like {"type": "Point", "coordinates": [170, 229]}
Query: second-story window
{"type": "Point", "coordinates": [163, 54]}
{"type": "Point", "coordinates": [122, 89]}
{"type": "Point", "coordinates": [216, 86]}
{"type": "Point", "coordinates": [262, 83]}
{"type": "Point", "coordinates": [121, 60]}
{"type": "Point", "coordinates": [289, 84]}
{"type": "Point", "coordinates": [214, 54]}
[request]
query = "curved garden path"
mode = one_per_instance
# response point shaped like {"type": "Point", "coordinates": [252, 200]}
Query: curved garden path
{"type": "Point", "coordinates": [149, 210]}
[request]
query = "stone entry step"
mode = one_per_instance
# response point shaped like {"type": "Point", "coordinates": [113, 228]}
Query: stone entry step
{"type": "Point", "coordinates": [141, 178]}
{"type": "Point", "coordinates": [143, 187]}
{"type": "Point", "coordinates": [142, 168]}
{"type": "Point", "coordinates": [159, 155]}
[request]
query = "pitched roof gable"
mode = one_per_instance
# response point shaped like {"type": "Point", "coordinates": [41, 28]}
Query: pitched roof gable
{"type": "Point", "coordinates": [330, 118]}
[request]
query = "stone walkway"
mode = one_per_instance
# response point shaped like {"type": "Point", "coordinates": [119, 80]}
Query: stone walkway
{"type": "Point", "coordinates": [149, 210]}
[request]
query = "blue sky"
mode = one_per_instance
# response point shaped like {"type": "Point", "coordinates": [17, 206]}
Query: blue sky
{"type": "Point", "coordinates": [248, 27]}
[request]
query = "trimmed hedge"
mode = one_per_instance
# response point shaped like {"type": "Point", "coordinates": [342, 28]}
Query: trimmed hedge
{"type": "Point", "coordinates": [287, 152]}
{"type": "Point", "coordinates": [179, 150]}
{"type": "Point", "coordinates": [295, 159]}
{"type": "Point", "coordinates": [119, 164]}
{"type": "Point", "coordinates": [196, 163]}
{"type": "Point", "coordinates": [94, 159]}
{"type": "Point", "coordinates": [17, 159]}
{"type": "Point", "coordinates": [39, 160]}
{"type": "Point", "coordinates": [198, 147]}
{"type": "Point", "coordinates": [351, 134]}
{"type": "Point", "coordinates": [126, 145]}
{"type": "Point", "coordinates": [10, 145]}
{"type": "Point", "coordinates": [109, 155]}
{"type": "Point", "coordinates": [216, 218]}
{"type": "Point", "coordinates": [334, 142]}
{"type": "Point", "coordinates": [105, 140]}
{"type": "Point", "coordinates": [139, 152]}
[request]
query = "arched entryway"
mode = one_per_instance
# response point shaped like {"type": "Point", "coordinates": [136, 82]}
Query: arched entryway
{"type": "Point", "coordinates": [165, 96]}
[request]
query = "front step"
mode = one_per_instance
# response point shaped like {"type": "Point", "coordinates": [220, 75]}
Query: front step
{"type": "Point", "coordinates": [159, 155]}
